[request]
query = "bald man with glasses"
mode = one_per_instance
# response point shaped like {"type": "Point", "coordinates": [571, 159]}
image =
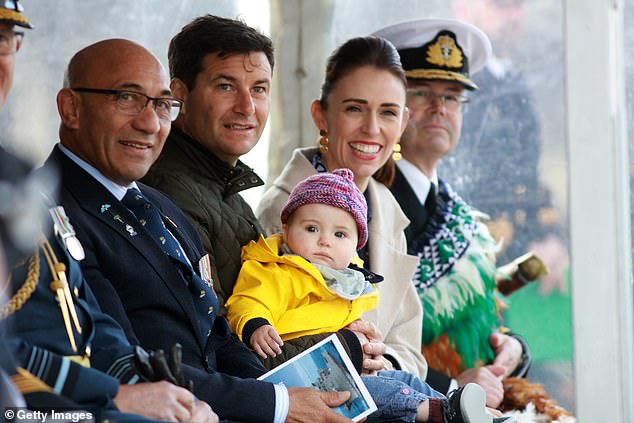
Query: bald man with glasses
{"type": "Point", "coordinates": [60, 349]}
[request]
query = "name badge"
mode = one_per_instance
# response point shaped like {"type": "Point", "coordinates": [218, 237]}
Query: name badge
{"type": "Point", "coordinates": [66, 232]}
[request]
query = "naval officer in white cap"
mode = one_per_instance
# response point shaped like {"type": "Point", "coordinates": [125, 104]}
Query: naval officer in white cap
{"type": "Point", "coordinates": [455, 279]}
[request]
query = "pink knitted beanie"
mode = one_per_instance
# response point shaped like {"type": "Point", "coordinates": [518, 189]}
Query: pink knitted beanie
{"type": "Point", "coordinates": [334, 189]}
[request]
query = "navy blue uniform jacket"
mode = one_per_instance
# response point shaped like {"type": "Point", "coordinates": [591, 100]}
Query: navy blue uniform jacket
{"type": "Point", "coordinates": [38, 338]}
{"type": "Point", "coordinates": [135, 282]}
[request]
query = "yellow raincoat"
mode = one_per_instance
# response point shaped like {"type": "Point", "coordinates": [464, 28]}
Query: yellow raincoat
{"type": "Point", "coordinates": [290, 293]}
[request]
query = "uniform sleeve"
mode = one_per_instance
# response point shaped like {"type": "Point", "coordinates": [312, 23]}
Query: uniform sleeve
{"type": "Point", "coordinates": [74, 381]}
{"type": "Point", "coordinates": [113, 354]}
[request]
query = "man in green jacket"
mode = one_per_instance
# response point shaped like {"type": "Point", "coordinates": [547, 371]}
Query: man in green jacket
{"type": "Point", "coordinates": [221, 70]}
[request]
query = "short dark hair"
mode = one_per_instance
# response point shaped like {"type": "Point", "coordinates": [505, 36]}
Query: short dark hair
{"type": "Point", "coordinates": [210, 34]}
{"type": "Point", "coordinates": [354, 54]}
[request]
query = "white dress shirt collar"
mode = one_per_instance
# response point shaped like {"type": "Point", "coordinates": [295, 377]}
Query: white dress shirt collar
{"type": "Point", "coordinates": [115, 189]}
{"type": "Point", "coordinates": [419, 182]}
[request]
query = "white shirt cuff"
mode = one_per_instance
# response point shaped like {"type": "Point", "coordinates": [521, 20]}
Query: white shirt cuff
{"type": "Point", "coordinates": [282, 402]}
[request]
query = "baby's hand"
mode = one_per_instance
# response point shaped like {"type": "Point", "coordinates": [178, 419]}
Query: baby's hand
{"type": "Point", "coordinates": [265, 340]}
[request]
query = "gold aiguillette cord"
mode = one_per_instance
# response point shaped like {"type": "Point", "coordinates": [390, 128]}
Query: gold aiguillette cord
{"type": "Point", "coordinates": [59, 284]}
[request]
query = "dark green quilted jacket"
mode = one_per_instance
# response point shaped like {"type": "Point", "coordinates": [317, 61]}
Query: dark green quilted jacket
{"type": "Point", "coordinates": [207, 190]}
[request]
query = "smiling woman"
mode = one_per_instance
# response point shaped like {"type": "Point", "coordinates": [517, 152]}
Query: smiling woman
{"type": "Point", "coordinates": [361, 114]}
{"type": "Point", "coordinates": [362, 125]}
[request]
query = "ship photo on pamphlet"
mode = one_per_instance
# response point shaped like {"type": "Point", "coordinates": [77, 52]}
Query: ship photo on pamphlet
{"type": "Point", "coordinates": [326, 367]}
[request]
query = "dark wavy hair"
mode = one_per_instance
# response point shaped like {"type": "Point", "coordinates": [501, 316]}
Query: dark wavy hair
{"type": "Point", "coordinates": [211, 34]}
{"type": "Point", "coordinates": [354, 54]}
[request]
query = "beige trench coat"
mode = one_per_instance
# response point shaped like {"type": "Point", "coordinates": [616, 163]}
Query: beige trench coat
{"type": "Point", "coordinates": [399, 314]}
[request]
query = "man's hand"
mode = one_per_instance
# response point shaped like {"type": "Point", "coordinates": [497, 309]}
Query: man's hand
{"type": "Point", "coordinates": [203, 413]}
{"type": "Point", "coordinates": [508, 351]}
{"type": "Point", "coordinates": [489, 378]}
{"type": "Point", "coordinates": [158, 400]}
{"type": "Point", "coordinates": [266, 341]}
{"type": "Point", "coordinates": [373, 347]}
{"type": "Point", "coordinates": [309, 405]}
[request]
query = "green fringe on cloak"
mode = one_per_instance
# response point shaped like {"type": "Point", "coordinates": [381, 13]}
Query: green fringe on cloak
{"type": "Point", "coordinates": [462, 302]}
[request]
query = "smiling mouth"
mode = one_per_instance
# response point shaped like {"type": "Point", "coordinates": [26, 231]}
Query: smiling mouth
{"type": "Point", "coordinates": [365, 148]}
{"type": "Point", "coordinates": [239, 127]}
{"type": "Point", "coordinates": [135, 145]}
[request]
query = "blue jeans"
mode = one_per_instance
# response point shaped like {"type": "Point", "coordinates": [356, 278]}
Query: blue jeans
{"type": "Point", "coordinates": [397, 395]}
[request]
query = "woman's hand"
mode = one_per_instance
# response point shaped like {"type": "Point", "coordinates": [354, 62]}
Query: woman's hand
{"type": "Point", "coordinates": [372, 345]}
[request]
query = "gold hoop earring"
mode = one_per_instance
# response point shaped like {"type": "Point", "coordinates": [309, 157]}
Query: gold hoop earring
{"type": "Point", "coordinates": [323, 141]}
{"type": "Point", "coordinates": [396, 152]}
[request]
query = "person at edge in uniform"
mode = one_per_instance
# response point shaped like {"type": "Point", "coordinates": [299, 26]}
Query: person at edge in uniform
{"type": "Point", "coordinates": [462, 338]}
{"type": "Point", "coordinates": [221, 70]}
{"type": "Point", "coordinates": [52, 326]}
{"type": "Point", "coordinates": [304, 281]}
{"type": "Point", "coordinates": [144, 260]}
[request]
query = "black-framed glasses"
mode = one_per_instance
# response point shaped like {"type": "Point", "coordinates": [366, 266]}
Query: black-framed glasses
{"type": "Point", "coordinates": [10, 41]}
{"type": "Point", "coordinates": [425, 98]}
{"type": "Point", "coordinates": [133, 102]}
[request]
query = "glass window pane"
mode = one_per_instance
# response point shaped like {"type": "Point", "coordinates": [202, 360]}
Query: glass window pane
{"type": "Point", "coordinates": [629, 83]}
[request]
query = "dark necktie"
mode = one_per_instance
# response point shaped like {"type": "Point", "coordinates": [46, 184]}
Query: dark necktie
{"type": "Point", "coordinates": [205, 300]}
{"type": "Point", "coordinates": [430, 201]}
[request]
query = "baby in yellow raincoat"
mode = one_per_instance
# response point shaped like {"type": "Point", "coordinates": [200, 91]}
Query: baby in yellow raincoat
{"type": "Point", "coordinates": [302, 282]}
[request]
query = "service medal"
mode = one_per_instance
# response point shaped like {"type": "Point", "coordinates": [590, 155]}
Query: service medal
{"type": "Point", "coordinates": [66, 232]}
{"type": "Point", "coordinates": [75, 248]}
{"type": "Point", "coordinates": [204, 268]}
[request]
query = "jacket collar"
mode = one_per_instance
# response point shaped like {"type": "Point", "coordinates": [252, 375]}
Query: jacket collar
{"type": "Point", "coordinates": [95, 200]}
{"type": "Point", "coordinates": [235, 178]}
